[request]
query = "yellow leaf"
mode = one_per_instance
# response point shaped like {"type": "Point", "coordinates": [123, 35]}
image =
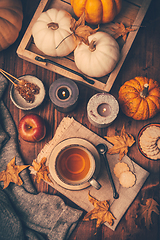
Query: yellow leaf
{"type": "Point", "coordinates": [11, 174]}
{"type": "Point", "coordinates": [121, 143]}
{"type": "Point", "coordinates": [41, 169]}
{"type": "Point", "coordinates": [100, 212]}
{"type": "Point", "coordinates": [121, 30]}
{"type": "Point", "coordinates": [80, 30]}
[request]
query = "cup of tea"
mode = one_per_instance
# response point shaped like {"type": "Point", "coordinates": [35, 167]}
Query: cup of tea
{"type": "Point", "coordinates": [75, 165]}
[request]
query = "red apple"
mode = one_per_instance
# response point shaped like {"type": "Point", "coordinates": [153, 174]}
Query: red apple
{"type": "Point", "coordinates": [32, 128]}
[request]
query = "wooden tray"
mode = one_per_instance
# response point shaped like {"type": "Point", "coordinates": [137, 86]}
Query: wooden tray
{"type": "Point", "coordinates": [132, 13]}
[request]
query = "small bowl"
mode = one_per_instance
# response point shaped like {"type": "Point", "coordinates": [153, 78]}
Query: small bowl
{"type": "Point", "coordinates": [20, 102]}
{"type": "Point", "coordinates": [139, 136]}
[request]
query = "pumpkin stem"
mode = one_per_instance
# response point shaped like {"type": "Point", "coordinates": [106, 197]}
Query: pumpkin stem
{"type": "Point", "coordinates": [144, 93]}
{"type": "Point", "coordinates": [53, 25]}
{"type": "Point", "coordinates": [92, 45]}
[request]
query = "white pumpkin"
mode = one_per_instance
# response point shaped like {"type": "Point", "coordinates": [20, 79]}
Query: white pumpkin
{"type": "Point", "coordinates": [98, 59]}
{"type": "Point", "coordinates": [50, 29]}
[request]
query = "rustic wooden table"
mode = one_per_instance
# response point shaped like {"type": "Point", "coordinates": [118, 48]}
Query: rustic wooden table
{"type": "Point", "coordinates": [143, 59]}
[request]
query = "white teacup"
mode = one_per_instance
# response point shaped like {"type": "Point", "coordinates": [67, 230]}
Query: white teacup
{"type": "Point", "coordinates": [74, 165]}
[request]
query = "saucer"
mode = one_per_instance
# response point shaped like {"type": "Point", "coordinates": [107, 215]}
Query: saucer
{"type": "Point", "coordinates": [20, 102]}
{"type": "Point", "coordinates": [57, 149]}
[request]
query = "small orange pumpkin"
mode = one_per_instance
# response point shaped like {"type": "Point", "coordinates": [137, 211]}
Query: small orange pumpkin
{"type": "Point", "coordinates": [139, 98]}
{"type": "Point", "coordinates": [11, 16]}
{"type": "Point", "coordinates": [97, 11]}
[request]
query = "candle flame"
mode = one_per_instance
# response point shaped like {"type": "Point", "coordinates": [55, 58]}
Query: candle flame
{"type": "Point", "coordinates": [104, 109]}
{"type": "Point", "coordinates": [64, 93]}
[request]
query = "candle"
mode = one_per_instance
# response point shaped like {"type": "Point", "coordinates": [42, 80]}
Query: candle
{"type": "Point", "coordinates": [102, 109]}
{"type": "Point", "coordinates": [64, 94]}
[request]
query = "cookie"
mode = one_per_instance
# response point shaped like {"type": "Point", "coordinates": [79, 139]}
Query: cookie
{"type": "Point", "coordinates": [127, 179]}
{"type": "Point", "coordinates": [119, 168]}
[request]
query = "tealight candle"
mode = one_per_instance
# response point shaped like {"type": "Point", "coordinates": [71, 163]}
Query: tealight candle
{"type": "Point", "coordinates": [102, 109]}
{"type": "Point", "coordinates": [64, 94]}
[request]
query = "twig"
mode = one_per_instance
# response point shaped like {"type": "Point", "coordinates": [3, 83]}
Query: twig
{"type": "Point", "coordinates": [63, 40]}
{"type": "Point", "coordinates": [8, 74]}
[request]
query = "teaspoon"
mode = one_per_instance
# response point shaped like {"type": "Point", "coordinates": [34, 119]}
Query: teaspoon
{"type": "Point", "coordinates": [102, 149]}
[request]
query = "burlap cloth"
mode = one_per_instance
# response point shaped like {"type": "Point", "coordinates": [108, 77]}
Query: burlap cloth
{"type": "Point", "coordinates": [71, 128]}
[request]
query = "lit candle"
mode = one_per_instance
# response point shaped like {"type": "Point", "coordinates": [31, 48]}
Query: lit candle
{"type": "Point", "coordinates": [63, 93]}
{"type": "Point", "coordinates": [104, 109]}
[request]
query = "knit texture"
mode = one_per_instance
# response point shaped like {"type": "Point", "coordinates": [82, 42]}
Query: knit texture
{"type": "Point", "coordinates": [24, 213]}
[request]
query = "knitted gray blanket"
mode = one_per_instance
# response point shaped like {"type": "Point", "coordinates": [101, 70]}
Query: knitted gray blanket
{"type": "Point", "coordinates": [24, 213]}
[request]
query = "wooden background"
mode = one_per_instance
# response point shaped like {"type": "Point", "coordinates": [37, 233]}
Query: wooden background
{"type": "Point", "coordinates": [142, 60]}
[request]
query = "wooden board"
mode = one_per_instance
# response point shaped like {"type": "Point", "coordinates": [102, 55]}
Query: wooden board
{"type": "Point", "coordinates": [132, 13]}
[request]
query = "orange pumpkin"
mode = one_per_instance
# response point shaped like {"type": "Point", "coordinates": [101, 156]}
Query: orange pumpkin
{"type": "Point", "coordinates": [97, 11]}
{"type": "Point", "coordinates": [139, 98]}
{"type": "Point", "coordinates": [11, 17]}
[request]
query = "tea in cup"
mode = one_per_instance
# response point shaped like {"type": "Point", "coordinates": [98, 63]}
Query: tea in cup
{"type": "Point", "coordinates": [75, 165]}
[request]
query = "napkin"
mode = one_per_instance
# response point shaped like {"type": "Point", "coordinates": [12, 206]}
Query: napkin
{"type": "Point", "coordinates": [70, 128]}
{"type": "Point", "coordinates": [24, 212]}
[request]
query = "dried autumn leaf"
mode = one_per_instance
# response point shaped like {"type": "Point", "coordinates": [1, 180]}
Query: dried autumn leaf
{"type": "Point", "coordinates": [146, 210]}
{"type": "Point", "coordinates": [81, 31]}
{"type": "Point", "coordinates": [11, 174]}
{"type": "Point", "coordinates": [41, 169]}
{"type": "Point", "coordinates": [121, 31]}
{"type": "Point", "coordinates": [121, 143]}
{"type": "Point", "coordinates": [100, 212]}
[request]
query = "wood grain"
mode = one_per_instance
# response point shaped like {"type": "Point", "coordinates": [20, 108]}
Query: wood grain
{"type": "Point", "coordinates": [143, 59]}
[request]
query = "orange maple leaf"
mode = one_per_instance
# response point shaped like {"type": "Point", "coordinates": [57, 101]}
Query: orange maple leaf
{"type": "Point", "coordinates": [121, 30]}
{"type": "Point", "coordinates": [11, 174]}
{"type": "Point", "coordinates": [121, 143]}
{"type": "Point", "coordinates": [41, 169]}
{"type": "Point", "coordinates": [81, 31]}
{"type": "Point", "coordinates": [100, 212]}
